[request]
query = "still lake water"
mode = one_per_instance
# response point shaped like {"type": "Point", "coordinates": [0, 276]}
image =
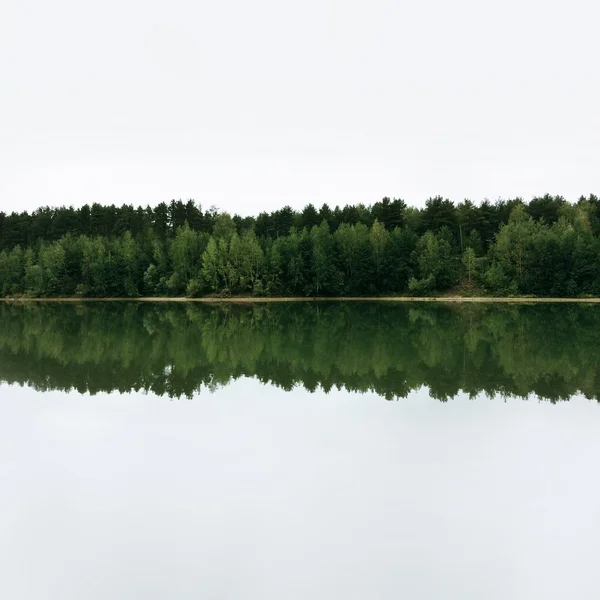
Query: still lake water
{"type": "Point", "coordinates": [297, 451]}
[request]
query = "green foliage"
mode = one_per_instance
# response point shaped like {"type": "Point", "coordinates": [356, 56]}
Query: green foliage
{"type": "Point", "coordinates": [354, 257]}
{"type": "Point", "coordinates": [211, 265]}
{"type": "Point", "coordinates": [469, 261]}
{"type": "Point", "coordinates": [185, 253]}
{"type": "Point", "coordinates": [436, 259]}
{"type": "Point", "coordinates": [12, 271]}
{"type": "Point", "coordinates": [224, 227]}
{"type": "Point", "coordinates": [326, 278]}
{"type": "Point", "coordinates": [545, 248]}
{"type": "Point", "coordinates": [401, 259]}
{"type": "Point", "coordinates": [422, 287]}
{"type": "Point", "coordinates": [194, 288]}
{"type": "Point", "coordinates": [378, 239]}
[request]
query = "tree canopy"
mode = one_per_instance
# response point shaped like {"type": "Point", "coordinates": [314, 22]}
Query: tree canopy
{"type": "Point", "coordinates": [547, 247]}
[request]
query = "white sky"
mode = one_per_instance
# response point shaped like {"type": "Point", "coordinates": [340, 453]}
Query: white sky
{"type": "Point", "coordinates": [253, 105]}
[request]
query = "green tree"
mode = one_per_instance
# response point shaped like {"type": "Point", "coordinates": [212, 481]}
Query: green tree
{"type": "Point", "coordinates": [52, 259]}
{"type": "Point", "coordinates": [326, 279]}
{"type": "Point", "coordinates": [211, 265]}
{"type": "Point", "coordinates": [436, 261]}
{"type": "Point", "coordinates": [512, 252]}
{"type": "Point", "coordinates": [354, 251]}
{"type": "Point", "coordinates": [469, 261]}
{"type": "Point", "coordinates": [401, 264]}
{"type": "Point", "coordinates": [185, 253]}
{"type": "Point", "coordinates": [378, 238]}
{"type": "Point", "coordinates": [12, 271]}
{"type": "Point", "coordinates": [223, 227]}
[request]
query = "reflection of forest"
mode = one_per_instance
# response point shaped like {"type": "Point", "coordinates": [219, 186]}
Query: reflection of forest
{"type": "Point", "coordinates": [549, 350]}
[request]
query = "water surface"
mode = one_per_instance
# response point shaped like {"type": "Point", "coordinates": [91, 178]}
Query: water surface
{"type": "Point", "coordinates": [552, 351]}
{"type": "Point", "coordinates": [287, 474]}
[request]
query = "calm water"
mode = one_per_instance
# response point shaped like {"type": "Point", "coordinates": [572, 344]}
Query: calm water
{"type": "Point", "coordinates": [299, 451]}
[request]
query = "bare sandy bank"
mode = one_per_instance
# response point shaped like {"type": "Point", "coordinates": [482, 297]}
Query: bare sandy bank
{"type": "Point", "coordinates": [248, 300]}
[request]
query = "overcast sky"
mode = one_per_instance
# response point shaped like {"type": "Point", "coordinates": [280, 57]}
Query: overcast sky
{"type": "Point", "coordinates": [253, 105]}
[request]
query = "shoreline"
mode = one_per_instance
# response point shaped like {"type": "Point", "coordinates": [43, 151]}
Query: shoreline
{"type": "Point", "coordinates": [251, 300]}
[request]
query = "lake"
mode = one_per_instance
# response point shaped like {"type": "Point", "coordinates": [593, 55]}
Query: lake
{"type": "Point", "coordinates": [299, 450]}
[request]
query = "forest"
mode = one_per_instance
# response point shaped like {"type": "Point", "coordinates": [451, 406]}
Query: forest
{"type": "Point", "coordinates": [547, 247]}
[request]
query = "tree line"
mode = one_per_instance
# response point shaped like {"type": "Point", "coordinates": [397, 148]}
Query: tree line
{"type": "Point", "coordinates": [546, 247]}
{"type": "Point", "coordinates": [178, 350]}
